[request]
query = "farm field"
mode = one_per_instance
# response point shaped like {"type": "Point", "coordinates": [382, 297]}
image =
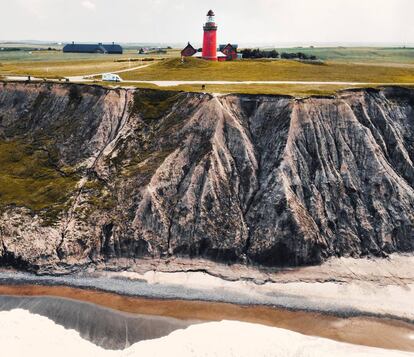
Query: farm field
{"type": "Point", "coordinates": [61, 69]}
{"type": "Point", "coordinates": [43, 55]}
{"type": "Point", "coordinates": [55, 64]}
{"type": "Point", "coordinates": [371, 66]}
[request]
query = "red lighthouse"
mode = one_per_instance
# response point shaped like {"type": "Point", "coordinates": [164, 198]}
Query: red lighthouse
{"type": "Point", "coordinates": [210, 38]}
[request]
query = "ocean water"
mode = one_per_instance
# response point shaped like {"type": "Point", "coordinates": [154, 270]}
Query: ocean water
{"type": "Point", "coordinates": [107, 328]}
{"type": "Point", "coordinates": [23, 333]}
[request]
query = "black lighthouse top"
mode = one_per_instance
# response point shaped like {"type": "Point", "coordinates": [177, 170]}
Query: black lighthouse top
{"type": "Point", "coordinates": [211, 22]}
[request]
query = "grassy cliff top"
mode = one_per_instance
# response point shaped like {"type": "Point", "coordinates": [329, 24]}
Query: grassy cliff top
{"type": "Point", "coordinates": [341, 64]}
{"type": "Point", "coordinates": [277, 70]}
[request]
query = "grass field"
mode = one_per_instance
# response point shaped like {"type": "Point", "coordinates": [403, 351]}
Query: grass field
{"type": "Point", "coordinates": [367, 65]}
{"type": "Point", "coordinates": [358, 54]}
{"type": "Point", "coordinates": [54, 64]}
{"type": "Point", "coordinates": [59, 56]}
{"type": "Point", "coordinates": [51, 69]}
{"type": "Point", "coordinates": [265, 70]}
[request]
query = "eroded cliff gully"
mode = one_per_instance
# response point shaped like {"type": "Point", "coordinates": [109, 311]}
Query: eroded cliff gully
{"type": "Point", "coordinates": [90, 175]}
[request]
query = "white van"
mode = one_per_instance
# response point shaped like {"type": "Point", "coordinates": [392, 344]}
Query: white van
{"type": "Point", "coordinates": [110, 77]}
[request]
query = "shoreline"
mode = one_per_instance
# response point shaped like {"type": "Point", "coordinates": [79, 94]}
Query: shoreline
{"type": "Point", "coordinates": [344, 299]}
{"type": "Point", "coordinates": [342, 287]}
{"type": "Point", "coordinates": [16, 285]}
{"type": "Point", "coordinates": [390, 333]}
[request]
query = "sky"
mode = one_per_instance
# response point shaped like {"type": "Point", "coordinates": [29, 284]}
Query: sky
{"type": "Point", "coordinates": [240, 21]}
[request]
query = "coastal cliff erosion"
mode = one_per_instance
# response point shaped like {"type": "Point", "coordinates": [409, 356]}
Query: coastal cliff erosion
{"type": "Point", "coordinates": [89, 175]}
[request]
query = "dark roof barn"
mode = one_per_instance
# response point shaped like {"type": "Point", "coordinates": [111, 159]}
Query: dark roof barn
{"type": "Point", "coordinates": [230, 50]}
{"type": "Point", "coordinates": [234, 46]}
{"type": "Point", "coordinates": [93, 48]}
{"type": "Point", "coordinates": [188, 51]}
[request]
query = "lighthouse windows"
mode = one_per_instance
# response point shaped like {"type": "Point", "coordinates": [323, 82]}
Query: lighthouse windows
{"type": "Point", "coordinates": [210, 19]}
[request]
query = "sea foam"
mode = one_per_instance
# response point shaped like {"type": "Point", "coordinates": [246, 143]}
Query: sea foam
{"type": "Point", "coordinates": [26, 334]}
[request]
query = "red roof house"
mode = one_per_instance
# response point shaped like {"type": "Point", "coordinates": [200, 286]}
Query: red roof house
{"type": "Point", "coordinates": [188, 51]}
{"type": "Point", "coordinates": [230, 51]}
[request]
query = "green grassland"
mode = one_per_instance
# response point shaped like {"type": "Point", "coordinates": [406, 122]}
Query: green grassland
{"type": "Point", "coordinates": [59, 56]}
{"type": "Point", "coordinates": [60, 69]}
{"type": "Point", "coordinates": [364, 65]}
{"type": "Point", "coordinates": [276, 70]}
{"type": "Point", "coordinates": [357, 54]}
{"type": "Point", "coordinates": [56, 64]}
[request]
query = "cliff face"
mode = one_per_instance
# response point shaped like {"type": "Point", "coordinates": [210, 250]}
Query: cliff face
{"type": "Point", "coordinates": [90, 174]}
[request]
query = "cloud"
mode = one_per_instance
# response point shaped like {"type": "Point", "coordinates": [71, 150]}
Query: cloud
{"type": "Point", "coordinates": [88, 5]}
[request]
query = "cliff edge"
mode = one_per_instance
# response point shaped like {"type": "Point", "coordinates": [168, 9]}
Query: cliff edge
{"type": "Point", "coordinates": [90, 174]}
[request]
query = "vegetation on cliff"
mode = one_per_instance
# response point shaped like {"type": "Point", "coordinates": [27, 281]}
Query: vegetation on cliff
{"type": "Point", "coordinates": [31, 176]}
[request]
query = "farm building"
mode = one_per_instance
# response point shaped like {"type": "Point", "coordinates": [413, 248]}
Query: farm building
{"type": "Point", "coordinates": [230, 50]}
{"type": "Point", "coordinates": [188, 51]}
{"type": "Point", "coordinates": [93, 48]}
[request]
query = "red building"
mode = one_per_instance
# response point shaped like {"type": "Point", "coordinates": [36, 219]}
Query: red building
{"type": "Point", "coordinates": [230, 51]}
{"type": "Point", "coordinates": [210, 38]}
{"type": "Point", "coordinates": [188, 51]}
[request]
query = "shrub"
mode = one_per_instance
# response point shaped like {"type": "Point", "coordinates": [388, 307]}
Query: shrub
{"type": "Point", "coordinates": [257, 53]}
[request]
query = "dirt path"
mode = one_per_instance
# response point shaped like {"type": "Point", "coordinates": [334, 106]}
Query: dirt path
{"type": "Point", "coordinates": [90, 76]}
{"type": "Point", "coordinates": [81, 78]}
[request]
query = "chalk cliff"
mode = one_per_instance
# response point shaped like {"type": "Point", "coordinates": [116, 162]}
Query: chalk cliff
{"type": "Point", "coordinates": [89, 175]}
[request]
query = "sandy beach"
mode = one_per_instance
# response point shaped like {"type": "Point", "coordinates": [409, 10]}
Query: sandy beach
{"type": "Point", "coordinates": [363, 302]}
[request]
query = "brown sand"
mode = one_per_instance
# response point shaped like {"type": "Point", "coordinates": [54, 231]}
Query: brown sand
{"type": "Point", "coordinates": [368, 331]}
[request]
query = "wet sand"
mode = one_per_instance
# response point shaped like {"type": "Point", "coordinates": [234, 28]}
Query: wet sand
{"type": "Point", "coordinates": [107, 328]}
{"type": "Point", "coordinates": [369, 331]}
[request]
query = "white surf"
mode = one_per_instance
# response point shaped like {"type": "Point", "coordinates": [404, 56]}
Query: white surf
{"type": "Point", "coordinates": [26, 334]}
